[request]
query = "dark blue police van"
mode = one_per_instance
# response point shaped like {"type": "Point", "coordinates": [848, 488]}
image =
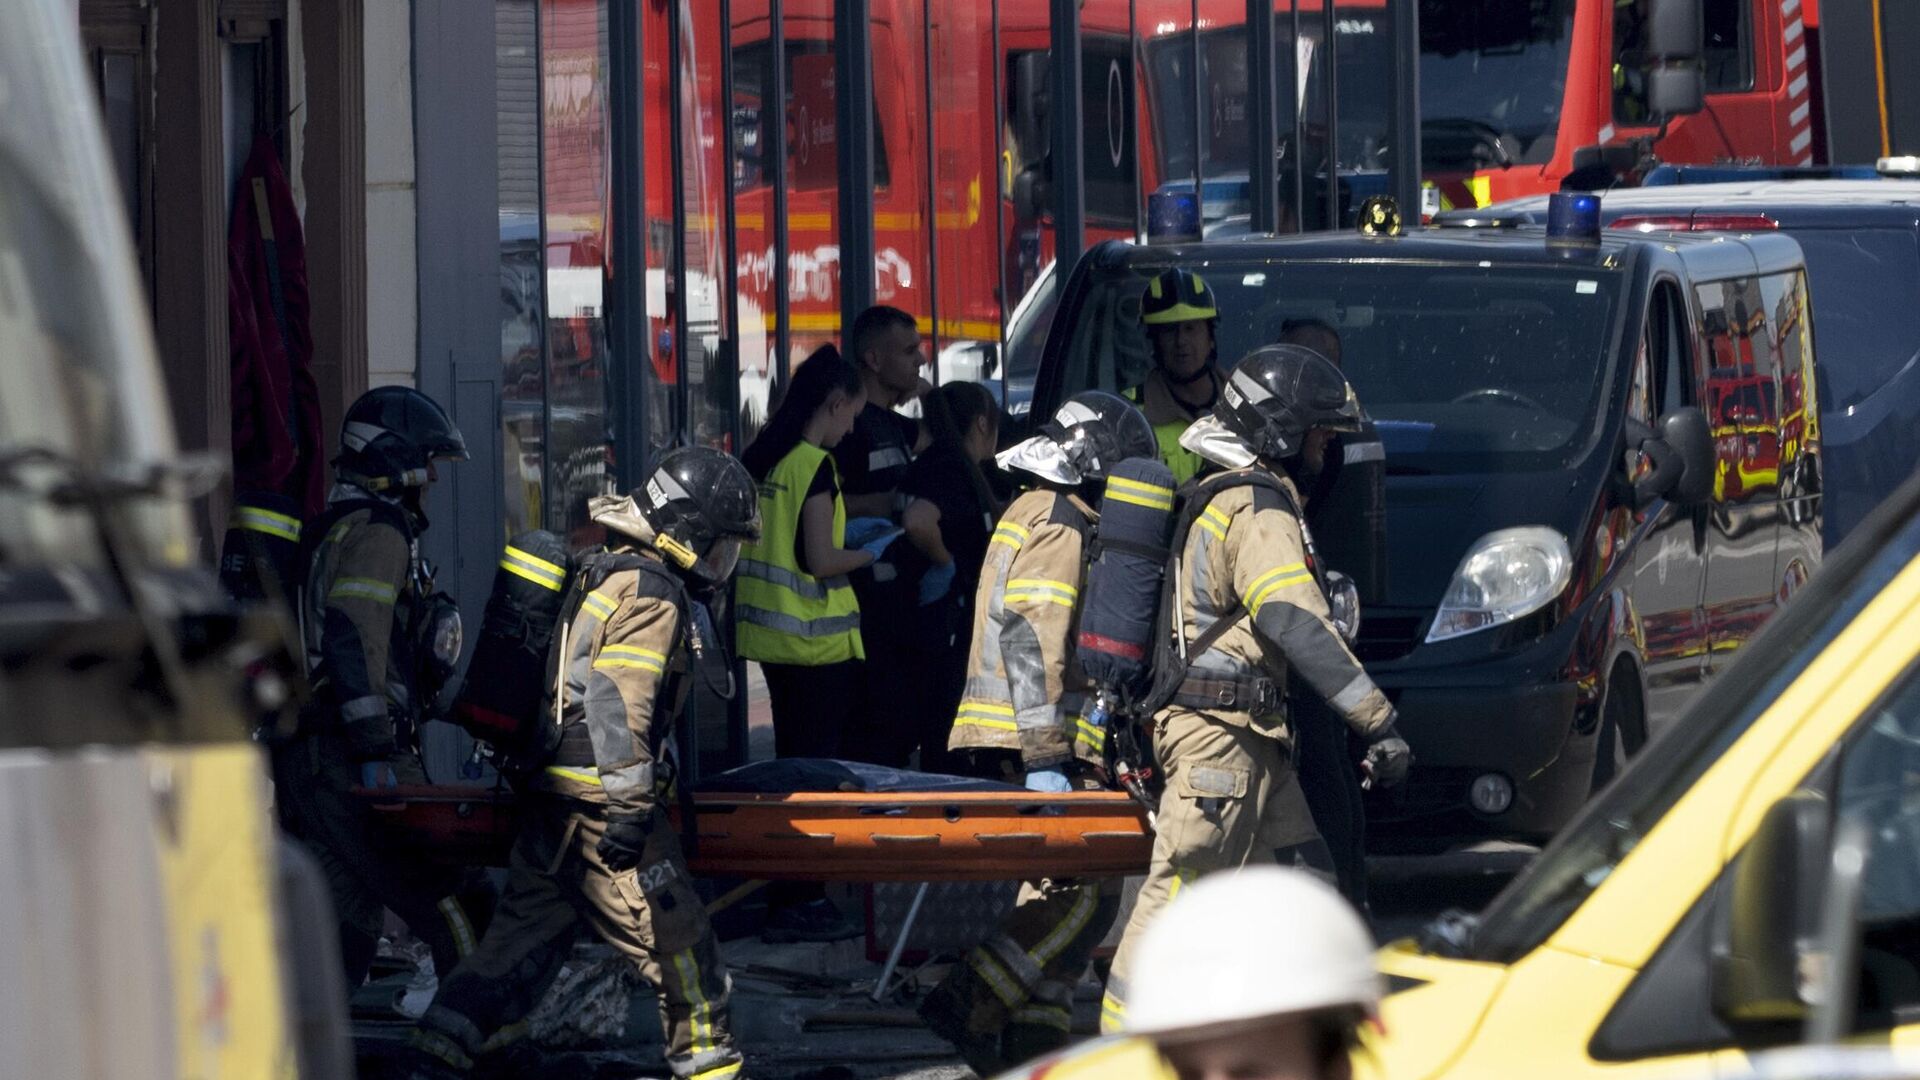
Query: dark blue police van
{"type": "Point", "coordinates": [1602, 476]}
{"type": "Point", "coordinates": [1861, 238]}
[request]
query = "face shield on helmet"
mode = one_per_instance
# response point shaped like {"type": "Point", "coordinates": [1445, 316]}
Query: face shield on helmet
{"type": "Point", "coordinates": [1211, 439]}
{"type": "Point", "coordinates": [722, 555]}
{"type": "Point", "coordinates": [1088, 435]}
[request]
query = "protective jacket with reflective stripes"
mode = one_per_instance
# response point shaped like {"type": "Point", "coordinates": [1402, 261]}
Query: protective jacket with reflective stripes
{"type": "Point", "coordinates": [786, 615]}
{"type": "Point", "coordinates": [1247, 558]}
{"type": "Point", "coordinates": [356, 618]}
{"type": "Point", "coordinates": [619, 684]}
{"type": "Point", "coordinates": [1024, 687]}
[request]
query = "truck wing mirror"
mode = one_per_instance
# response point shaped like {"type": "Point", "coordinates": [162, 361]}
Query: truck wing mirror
{"type": "Point", "coordinates": [1031, 102]}
{"type": "Point", "coordinates": [1675, 29]}
{"type": "Point", "coordinates": [1769, 923]}
{"type": "Point", "coordinates": [1681, 450]}
{"type": "Point", "coordinates": [1676, 90]}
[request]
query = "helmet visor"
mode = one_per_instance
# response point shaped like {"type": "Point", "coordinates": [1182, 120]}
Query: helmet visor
{"type": "Point", "coordinates": [1041, 457]}
{"type": "Point", "coordinates": [721, 557]}
{"type": "Point", "coordinates": [1209, 438]}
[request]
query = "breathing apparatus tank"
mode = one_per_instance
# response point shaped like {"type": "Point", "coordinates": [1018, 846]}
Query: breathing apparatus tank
{"type": "Point", "coordinates": [500, 703]}
{"type": "Point", "coordinates": [1119, 609]}
{"type": "Point", "coordinates": [260, 554]}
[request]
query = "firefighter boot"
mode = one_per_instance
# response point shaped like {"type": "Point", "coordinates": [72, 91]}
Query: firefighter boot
{"type": "Point", "coordinates": [957, 1013]}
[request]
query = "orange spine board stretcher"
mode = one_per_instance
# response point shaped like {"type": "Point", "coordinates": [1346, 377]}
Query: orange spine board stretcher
{"type": "Point", "coordinates": [824, 836]}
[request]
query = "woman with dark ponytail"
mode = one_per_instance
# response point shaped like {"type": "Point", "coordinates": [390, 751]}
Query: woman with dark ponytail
{"type": "Point", "coordinates": [949, 520]}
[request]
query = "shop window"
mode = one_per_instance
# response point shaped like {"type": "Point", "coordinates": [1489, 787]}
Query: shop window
{"type": "Point", "coordinates": [812, 139]}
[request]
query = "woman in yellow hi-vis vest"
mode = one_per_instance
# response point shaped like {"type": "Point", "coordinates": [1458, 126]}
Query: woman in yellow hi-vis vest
{"type": "Point", "coordinates": [794, 611]}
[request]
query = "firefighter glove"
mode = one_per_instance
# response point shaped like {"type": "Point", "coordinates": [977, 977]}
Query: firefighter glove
{"type": "Point", "coordinates": [936, 583]}
{"type": "Point", "coordinates": [625, 840]}
{"type": "Point", "coordinates": [1388, 757]}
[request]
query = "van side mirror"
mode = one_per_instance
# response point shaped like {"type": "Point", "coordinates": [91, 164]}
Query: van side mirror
{"type": "Point", "coordinates": [1770, 924]}
{"type": "Point", "coordinates": [1031, 195]}
{"type": "Point", "coordinates": [1681, 449]}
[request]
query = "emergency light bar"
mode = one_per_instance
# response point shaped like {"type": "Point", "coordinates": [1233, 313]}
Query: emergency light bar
{"type": "Point", "coordinates": [1699, 222]}
{"type": "Point", "coordinates": [1573, 219]}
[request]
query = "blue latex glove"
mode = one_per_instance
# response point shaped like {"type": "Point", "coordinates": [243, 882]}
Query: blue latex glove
{"type": "Point", "coordinates": [862, 530]}
{"type": "Point", "coordinates": [1048, 781]}
{"type": "Point", "coordinates": [935, 583]}
{"type": "Point", "coordinates": [877, 546]}
{"type": "Point", "coordinates": [377, 774]}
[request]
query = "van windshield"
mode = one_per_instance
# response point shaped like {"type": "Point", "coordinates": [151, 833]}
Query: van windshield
{"type": "Point", "coordinates": [1465, 368]}
{"type": "Point", "coordinates": [1528, 911]}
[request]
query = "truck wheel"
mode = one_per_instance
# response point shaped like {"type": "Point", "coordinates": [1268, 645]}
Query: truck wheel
{"type": "Point", "coordinates": [1622, 731]}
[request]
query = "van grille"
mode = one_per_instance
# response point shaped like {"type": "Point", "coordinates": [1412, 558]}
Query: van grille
{"type": "Point", "coordinates": [1387, 637]}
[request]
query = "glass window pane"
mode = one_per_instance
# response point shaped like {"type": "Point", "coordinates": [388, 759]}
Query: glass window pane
{"type": "Point", "coordinates": [813, 177]}
{"type": "Point", "coordinates": [573, 46]}
{"type": "Point", "coordinates": [523, 392]}
{"type": "Point", "coordinates": [662, 371]}
{"type": "Point", "coordinates": [752, 133]}
{"type": "Point", "coordinates": [964, 150]}
{"type": "Point", "coordinates": [902, 202]}
{"type": "Point", "coordinates": [704, 138]}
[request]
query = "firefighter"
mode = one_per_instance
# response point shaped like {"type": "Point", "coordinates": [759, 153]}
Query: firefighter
{"type": "Point", "coordinates": [1010, 998]}
{"type": "Point", "coordinates": [1181, 318]}
{"type": "Point", "coordinates": [595, 843]}
{"type": "Point", "coordinates": [1249, 605]}
{"type": "Point", "coordinates": [363, 609]}
{"type": "Point", "coordinates": [1264, 974]}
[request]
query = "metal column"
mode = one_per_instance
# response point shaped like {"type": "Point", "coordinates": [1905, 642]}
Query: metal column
{"type": "Point", "coordinates": [626, 292]}
{"type": "Point", "coordinates": [933, 189]}
{"type": "Point", "coordinates": [1069, 168]}
{"type": "Point", "coordinates": [1199, 117]}
{"type": "Point", "coordinates": [1406, 108]}
{"type": "Point", "coordinates": [677, 273]}
{"type": "Point", "coordinates": [1296, 110]}
{"type": "Point", "coordinates": [1263, 136]}
{"type": "Point", "coordinates": [738, 733]}
{"type": "Point", "coordinates": [1330, 51]}
{"type": "Point", "coordinates": [853, 117]}
{"type": "Point", "coordinates": [776, 123]}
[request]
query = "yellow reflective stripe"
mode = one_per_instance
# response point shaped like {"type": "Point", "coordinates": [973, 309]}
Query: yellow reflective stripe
{"type": "Point", "coordinates": [266, 521]}
{"type": "Point", "coordinates": [1093, 736]}
{"type": "Point", "coordinates": [537, 570]}
{"type": "Point", "coordinates": [1011, 535]}
{"type": "Point", "coordinates": [1133, 491]}
{"type": "Point", "coordinates": [701, 1015]}
{"type": "Point", "coordinates": [1069, 928]}
{"type": "Point", "coordinates": [521, 571]}
{"type": "Point", "coordinates": [983, 714]}
{"type": "Point", "coordinates": [1218, 532]}
{"type": "Point", "coordinates": [1043, 583]}
{"type": "Point", "coordinates": [359, 588]}
{"type": "Point", "coordinates": [1037, 597]}
{"type": "Point", "coordinates": [718, 1072]}
{"type": "Point", "coordinates": [535, 562]}
{"type": "Point", "coordinates": [1180, 878]}
{"type": "Point", "coordinates": [450, 910]}
{"type": "Point", "coordinates": [599, 605]}
{"type": "Point", "coordinates": [580, 776]}
{"type": "Point", "coordinates": [1254, 604]}
{"type": "Point", "coordinates": [611, 663]}
{"type": "Point", "coordinates": [998, 980]}
{"type": "Point", "coordinates": [1112, 1008]}
{"type": "Point", "coordinates": [632, 650]}
{"type": "Point", "coordinates": [1260, 582]}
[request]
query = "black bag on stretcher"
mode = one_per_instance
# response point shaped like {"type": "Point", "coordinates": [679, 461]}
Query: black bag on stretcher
{"type": "Point", "coordinates": [1119, 609]}
{"type": "Point", "coordinates": [500, 703]}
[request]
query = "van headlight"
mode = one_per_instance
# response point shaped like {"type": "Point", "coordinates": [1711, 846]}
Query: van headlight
{"type": "Point", "coordinates": [1506, 575]}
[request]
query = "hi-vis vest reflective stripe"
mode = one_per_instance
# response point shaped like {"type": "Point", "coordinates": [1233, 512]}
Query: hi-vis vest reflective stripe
{"type": "Point", "coordinates": [786, 615]}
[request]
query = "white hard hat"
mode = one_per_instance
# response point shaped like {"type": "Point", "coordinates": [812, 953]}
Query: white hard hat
{"type": "Point", "coordinates": [1249, 945]}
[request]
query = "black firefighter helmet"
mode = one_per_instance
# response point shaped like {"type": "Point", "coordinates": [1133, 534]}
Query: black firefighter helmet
{"type": "Point", "coordinates": [391, 435]}
{"type": "Point", "coordinates": [1097, 430]}
{"type": "Point", "coordinates": [1279, 393]}
{"type": "Point", "coordinates": [703, 506]}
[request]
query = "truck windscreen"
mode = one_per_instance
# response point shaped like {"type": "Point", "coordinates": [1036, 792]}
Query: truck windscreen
{"type": "Point", "coordinates": [1492, 77]}
{"type": "Point", "coordinates": [1465, 368]}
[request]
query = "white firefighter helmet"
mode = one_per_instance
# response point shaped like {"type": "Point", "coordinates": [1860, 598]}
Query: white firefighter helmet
{"type": "Point", "coordinates": [1240, 947]}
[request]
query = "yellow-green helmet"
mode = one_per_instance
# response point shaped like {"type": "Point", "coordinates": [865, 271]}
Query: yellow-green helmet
{"type": "Point", "coordinates": [1175, 296]}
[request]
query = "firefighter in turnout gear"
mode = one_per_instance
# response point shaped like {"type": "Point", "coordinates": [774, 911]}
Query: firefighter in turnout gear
{"type": "Point", "coordinates": [364, 614]}
{"type": "Point", "coordinates": [1246, 606]}
{"type": "Point", "coordinates": [1010, 998]}
{"type": "Point", "coordinates": [1180, 318]}
{"type": "Point", "coordinates": [596, 845]}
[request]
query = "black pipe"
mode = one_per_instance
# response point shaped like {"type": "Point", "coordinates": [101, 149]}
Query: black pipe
{"type": "Point", "coordinates": [1199, 120]}
{"type": "Point", "coordinates": [677, 273]}
{"type": "Point", "coordinates": [933, 197]}
{"type": "Point", "coordinates": [1297, 120]}
{"type": "Point", "coordinates": [853, 117]}
{"type": "Point", "coordinates": [1330, 43]}
{"type": "Point", "coordinates": [777, 219]}
{"type": "Point", "coordinates": [1069, 164]}
{"type": "Point", "coordinates": [626, 292]}
{"type": "Point", "coordinates": [1263, 173]}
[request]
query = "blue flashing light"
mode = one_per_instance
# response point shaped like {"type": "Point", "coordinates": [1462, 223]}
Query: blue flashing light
{"type": "Point", "coordinates": [1173, 217]}
{"type": "Point", "coordinates": [1573, 218]}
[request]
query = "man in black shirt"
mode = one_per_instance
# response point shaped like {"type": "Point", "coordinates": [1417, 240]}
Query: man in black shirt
{"type": "Point", "coordinates": [884, 344]}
